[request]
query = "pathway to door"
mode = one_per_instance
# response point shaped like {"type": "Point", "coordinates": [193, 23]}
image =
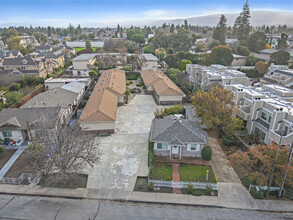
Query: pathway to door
{"type": "Point", "coordinates": [176, 177]}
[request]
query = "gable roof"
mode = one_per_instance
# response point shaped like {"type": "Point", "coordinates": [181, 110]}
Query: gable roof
{"type": "Point", "coordinates": [177, 132]}
{"type": "Point", "coordinates": [6, 53]}
{"type": "Point", "coordinates": [102, 104]}
{"type": "Point", "coordinates": [17, 117]}
{"type": "Point", "coordinates": [162, 83]}
{"type": "Point", "coordinates": [26, 60]}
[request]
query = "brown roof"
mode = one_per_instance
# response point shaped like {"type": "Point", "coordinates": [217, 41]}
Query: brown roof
{"type": "Point", "coordinates": [102, 104]}
{"type": "Point", "coordinates": [161, 83]}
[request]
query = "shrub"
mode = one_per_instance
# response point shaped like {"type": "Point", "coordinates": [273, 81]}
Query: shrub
{"type": "Point", "coordinates": [131, 82]}
{"type": "Point", "coordinates": [127, 83]}
{"type": "Point", "coordinates": [256, 194]}
{"type": "Point", "coordinates": [209, 189]}
{"type": "Point", "coordinates": [139, 84]}
{"type": "Point", "coordinates": [206, 153]}
{"type": "Point", "coordinates": [229, 140]}
{"type": "Point", "coordinates": [189, 188]}
{"type": "Point", "coordinates": [151, 186]}
{"type": "Point", "coordinates": [135, 90]}
{"type": "Point", "coordinates": [178, 109]}
{"type": "Point", "coordinates": [167, 178]}
{"type": "Point", "coordinates": [197, 192]}
{"type": "Point", "coordinates": [2, 150]}
{"type": "Point", "coordinates": [151, 155]}
{"type": "Point", "coordinates": [16, 86]}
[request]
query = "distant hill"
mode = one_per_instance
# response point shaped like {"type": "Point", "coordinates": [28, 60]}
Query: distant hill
{"type": "Point", "coordinates": [258, 18]}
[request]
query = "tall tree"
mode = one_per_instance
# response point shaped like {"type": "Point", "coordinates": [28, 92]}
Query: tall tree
{"type": "Point", "coordinates": [241, 27]}
{"type": "Point", "coordinates": [186, 25]}
{"type": "Point", "coordinates": [13, 43]}
{"type": "Point", "coordinates": [282, 42]}
{"type": "Point", "coordinates": [280, 58]}
{"type": "Point", "coordinates": [221, 55]}
{"type": "Point", "coordinates": [215, 109]}
{"type": "Point", "coordinates": [88, 44]}
{"type": "Point", "coordinates": [172, 28]}
{"type": "Point", "coordinates": [9, 33]}
{"type": "Point", "coordinates": [257, 41]}
{"type": "Point", "coordinates": [220, 31]}
{"type": "Point", "coordinates": [49, 31]}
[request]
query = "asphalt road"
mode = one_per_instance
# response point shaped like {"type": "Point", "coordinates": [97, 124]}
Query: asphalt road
{"type": "Point", "coordinates": [25, 207]}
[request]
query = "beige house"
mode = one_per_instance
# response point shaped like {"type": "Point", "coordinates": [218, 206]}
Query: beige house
{"type": "Point", "coordinates": [99, 114]}
{"type": "Point", "coordinates": [83, 64]}
{"type": "Point", "coordinates": [165, 91]}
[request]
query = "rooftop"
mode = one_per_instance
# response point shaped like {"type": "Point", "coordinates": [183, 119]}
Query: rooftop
{"type": "Point", "coordinates": [84, 57]}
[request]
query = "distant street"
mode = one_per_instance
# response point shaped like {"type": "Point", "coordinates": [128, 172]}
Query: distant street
{"type": "Point", "coordinates": [24, 207]}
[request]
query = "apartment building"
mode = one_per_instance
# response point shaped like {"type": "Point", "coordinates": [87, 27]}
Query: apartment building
{"type": "Point", "coordinates": [278, 74]}
{"type": "Point", "coordinates": [83, 64]}
{"type": "Point", "coordinates": [267, 111]}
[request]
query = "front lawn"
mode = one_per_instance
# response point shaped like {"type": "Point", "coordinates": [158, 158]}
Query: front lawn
{"type": "Point", "coordinates": [77, 49]}
{"type": "Point", "coordinates": [194, 173]}
{"type": "Point", "coordinates": [161, 172]}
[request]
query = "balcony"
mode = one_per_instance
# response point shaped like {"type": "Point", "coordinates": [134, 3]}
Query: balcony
{"type": "Point", "coordinates": [275, 135]}
{"type": "Point", "coordinates": [243, 112]}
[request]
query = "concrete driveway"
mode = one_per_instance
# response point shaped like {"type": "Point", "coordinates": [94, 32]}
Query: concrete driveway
{"type": "Point", "coordinates": [125, 153]}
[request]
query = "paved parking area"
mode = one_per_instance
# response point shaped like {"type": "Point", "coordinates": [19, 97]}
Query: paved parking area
{"type": "Point", "coordinates": [125, 152]}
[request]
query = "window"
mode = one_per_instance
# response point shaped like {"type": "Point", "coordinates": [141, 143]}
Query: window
{"type": "Point", "coordinates": [194, 147]}
{"type": "Point", "coordinates": [162, 146]}
{"type": "Point", "coordinates": [286, 128]}
{"type": "Point", "coordinates": [7, 134]}
{"type": "Point", "coordinates": [270, 119]}
{"type": "Point", "coordinates": [263, 136]}
{"type": "Point", "coordinates": [264, 116]}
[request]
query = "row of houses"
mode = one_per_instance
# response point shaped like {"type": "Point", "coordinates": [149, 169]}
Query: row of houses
{"type": "Point", "coordinates": [267, 111]}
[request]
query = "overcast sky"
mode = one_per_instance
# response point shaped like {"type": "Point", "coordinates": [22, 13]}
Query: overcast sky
{"type": "Point", "coordinates": [111, 12]}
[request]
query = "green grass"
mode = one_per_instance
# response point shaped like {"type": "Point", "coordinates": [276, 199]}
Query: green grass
{"type": "Point", "coordinates": [77, 49]}
{"type": "Point", "coordinates": [194, 173]}
{"type": "Point", "coordinates": [161, 172]}
{"type": "Point", "coordinates": [132, 76]}
{"type": "Point", "coordinates": [151, 154]}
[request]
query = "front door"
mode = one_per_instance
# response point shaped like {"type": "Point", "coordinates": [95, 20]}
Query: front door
{"type": "Point", "coordinates": [175, 149]}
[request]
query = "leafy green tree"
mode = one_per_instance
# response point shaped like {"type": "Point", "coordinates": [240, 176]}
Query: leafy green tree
{"type": "Point", "coordinates": [9, 33]}
{"type": "Point", "coordinates": [32, 80]}
{"type": "Point", "coordinates": [24, 51]}
{"type": "Point", "coordinates": [251, 60]}
{"type": "Point", "coordinates": [261, 67]}
{"type": "Point", "coordinates": [93, 73]}
{"type": "Point", "coordinates": [242, 50]}
{"type": "Point", "coordinates": [193, 39]}
{"type": "Point", "coordinates": [138, 38]}
{"type": "Point", "coordinates": [172, 28]}
{"type": "Point", "coordinates": [41, 37]}
{"type": "Point", "coordinates": [12, 98]}
{"type": "Point", "coordinates": [280, 58]}
{"type": "Point", "coordinates": [173, 74]}
{"type": "Point", "coordinates": [130, 33]}
{"type": "Point", "coordinates": [78, 29]}
{"type": "Point", "coordinates": [184, 63]}
{"type": "Point", "coordinates": [13, 43]}
{"type": "Point", "coordinates": [149, 49]}
{"type": "Point", "coordinates": [186, 25]}
{"type": "Point", "coordinates": [221, 29]}
{"type": "Point", "coordinates": [214, 44]}
{"type": "Point", "coordinates": [282, 42]}
{"type": "Point", "coordinates": [88, 44]}
{"type": "Point", "coordinates": [92, 36]}
{"type": "Point", "coordinates": [16, 86]}
{"type": "Point", "coordinates": [172, 60]}
{"type": "Point", "coordinates": [257, 41]}
{"type": "Point", "coordinates": [241, 28]}
{"type": "Point", "coordinates": [84, 36]}
{"type": "Point", "coordinates": [222, 55]}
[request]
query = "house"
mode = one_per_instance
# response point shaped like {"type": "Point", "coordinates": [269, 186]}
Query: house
{"type": "Point", "coordinates": [14, 122]}
{"type": "Point", "coordinates": [2, 45]}
{"type": "Point", "coordinates": [99, 114]}
{"type": "Point", "coordinates": [266, 111]}
{"type": "Point", "coordinates": [28, 40]}
{"type": "Point", "coordinates": [52, 59]}
{"type": "Point", "coordinates": [24, 65]}
{"type": "Point", "coordinates": [83, 64]}
{"type": "Point", "coordinates": [238, 60]}
{"type": "Point", "coordinates": [59, 82]}
{"type": "Point", "coordinates": [279, 75]}
{"type": "Point", "coordinates": [148, 61]}
{"type": "Point", "coordinates": [66, 98]}
{"type": "Point", "coordinates": [112, 59]}
{"type": "Point", "coordinates": [165, 91]}
{"type": "Point", "coordinates": [177, 138]}
{"type": "Point", "coordinates": [44, 48]}
{"type": "Point", "coordinates": [9, 54]}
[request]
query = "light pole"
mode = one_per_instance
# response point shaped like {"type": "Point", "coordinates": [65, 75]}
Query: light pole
{"type": "Point", "coordinates": [285, 175]}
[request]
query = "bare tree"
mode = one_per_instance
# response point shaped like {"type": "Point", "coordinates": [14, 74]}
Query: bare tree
{"type": "Point", "coordinates": [60, 152]}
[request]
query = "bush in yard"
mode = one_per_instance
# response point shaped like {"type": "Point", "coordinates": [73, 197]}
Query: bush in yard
{"type": "Point", "coordinates": [209, 189]}
{"type": "Point", "coordinates": [2, 150]}
{"type": "Point", "coordinates": [229, 140]}
{"type": "Point", "coordinates": [131, 82]}
{"type": "Point", "coordinates": [178, 109]}
{"type": "Point", "coordinates": [139, 84]}
{"type": "Point", "coordinates": [197, 192]}
{"type": "Point", "coordinates": [206, 153]}
{"type": "Point", "coordinates": [151, 186]}
{"type": "Point", "coordinates": [127, 83]}
{"type": "Point", "coordinates": [167, 178]}
{"type": "Point", "coordinates": [190, 188]}
{"type": "Point", "coordinates": [256, 194]}
{"type": "Point", "coordinates": [16, 86]}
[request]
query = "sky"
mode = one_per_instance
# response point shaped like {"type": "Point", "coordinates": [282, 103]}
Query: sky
{"type": "Point", "coordinates": [60, 13]}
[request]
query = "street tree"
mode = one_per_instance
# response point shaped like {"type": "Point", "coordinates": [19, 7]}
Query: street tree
{"type": "Point", "coordinates": [257, 41]}
{"type": "Point", "coordinates": [280, 57]}
{"type": "Point", "coordinates": [261, 67]}
{"type": "Point", "coordinates": [183, 64]}
{"type": "Point", "coordinates": [215, 109]}
{"type": "Point", "coordinates": [242, 50]}
{"type": "Point", "coordinates": [88, 44]}
{"type": "Point", "coordinates": [220, 31]}
{"type": "Point", "coordinates": [221, 55]}
{"type": "Point", "coordinates": [241, 28]}
{"type": "Point", "coordinates": [173, 74]}
{"type": "Point", "coordinates": [60, 152]}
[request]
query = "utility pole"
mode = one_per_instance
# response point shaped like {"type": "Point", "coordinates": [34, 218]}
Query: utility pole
{"type": "Point", "coordinates": [275, 161]}
{"type": "Point", "coordinates": [285, 175]}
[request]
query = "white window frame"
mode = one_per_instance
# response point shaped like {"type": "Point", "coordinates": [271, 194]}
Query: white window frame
{"type": "Point", "coordinates": [164, 146]}
{"type": "Point", "coordinates": [6, 132]}
{"type": "Point", "coordinates": [190, 146]}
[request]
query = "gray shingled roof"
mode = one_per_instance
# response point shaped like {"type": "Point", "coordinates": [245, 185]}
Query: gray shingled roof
{"type": "Point", "coordinates": [19, 61]}
{"type": "Point", "coordinates": [177, 131]}
{"type": "Point", "coordinates": [17, 117]}
{"type": "Point", "coordinates": [6, 53]}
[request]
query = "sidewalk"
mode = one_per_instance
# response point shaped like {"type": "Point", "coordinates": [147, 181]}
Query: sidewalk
{"type": "Point", "coordinates": [145, 197]}
{"type": "Point", "coordinates": [11, 161]}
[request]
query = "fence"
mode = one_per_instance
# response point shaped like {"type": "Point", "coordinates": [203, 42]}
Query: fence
{"type": "Point", "coordinates": [19, 180]}
{"type": "Point", "coordinates": [264, 188]}
{"type": "Point", "coordinates": [182, 185]}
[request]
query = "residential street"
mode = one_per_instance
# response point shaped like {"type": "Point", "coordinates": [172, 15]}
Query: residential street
{"type": "Point", "coordinates": [125, 152]}
{"type": "Point", "coordinates": [25, 207]}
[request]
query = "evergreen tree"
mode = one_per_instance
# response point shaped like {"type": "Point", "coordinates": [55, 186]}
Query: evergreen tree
{"type": "Point", "coordinates": [186, 25]}
{"type": "Point", "coordinates": [282, 43]}
{"type": "Point", "coordinates": [172, 28]}
{"type": "Point", "coordinates": [220, 31]}
{"type": "Point", "coordinates": [242, 27]}
{"type": "Point", "coordinates": [49, 31]}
